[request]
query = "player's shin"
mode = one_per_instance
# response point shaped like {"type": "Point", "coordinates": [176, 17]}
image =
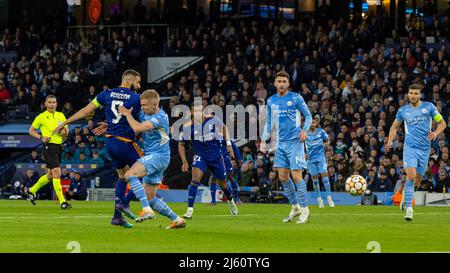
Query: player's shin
{"type": "Point", "coordinates": [289, 190]}
{"type": "Point", "coordinates": [139, 191]}
{"type": "Point", "coordinates": [213, 188]}
{"type": "Point", "coordinates": [302, 194]}
{"type": "Point", "coordinates": [193, 188]}
{"type": "Point", "coordinates": [326, 183]}
{"type": "Point", "coordinates": [58, 190]}
{"type": "Point", "coordinates": [409, 193]}
{"type": "Point", "coordinates": [121, 187]}
{"type": "Point", "coordinates": [162, 208]}
{"type": "Point", "coordinates": [316, 186]}
{"type": "Point", "coordinates": [128, 198]}
{"type": "Point", "coordinates": [226, 190]}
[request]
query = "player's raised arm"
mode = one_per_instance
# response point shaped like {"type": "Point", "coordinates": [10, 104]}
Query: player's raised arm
{"type": "Point", "coordinates": [138, 127]}
{"type": "Point", "coordinates": [303, 108]}
{"type": "Point", "coordinates": [84, 112]}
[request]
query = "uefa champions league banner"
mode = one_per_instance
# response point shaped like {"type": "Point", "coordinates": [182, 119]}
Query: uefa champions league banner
{"type": "Point", "coordinates": [18, 141]}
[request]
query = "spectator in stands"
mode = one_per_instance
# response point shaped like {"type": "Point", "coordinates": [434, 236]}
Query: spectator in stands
{"type": "Point", "coordinates": [91, 143]}
{"type": "Point", "coordinates": [5, 96]}
{"type": "Point", "coordinates": [384, 184]}
{"type": "Point", "coordinates": [339, 185]}
{"type": "Point", "coordinates": [29, 180]}
{"type": "Point", "coordinates": [35, 158]}
{"type": "Point", "coordinates": [67, 158]}
{"type": "Point", "coordinates": [442, 182]}
{"type": "Point", "coordinates": [96, 159]}
{"type": "Point", "coordinates": [81, 159]}
{"type": "Point", "coordinates": [274, 182]}
{"type": "Point", "coordinates": [102, 152]}
{"type": "Point", "coordinates": [22, 98]}
{"type": "Point", "coordinates": [426, 185]}
{"type": "Point", "coordinates": [77, 189]}
{"type": "Point", "coordinates": [247, 176]}
{"type": "Point", "coordinates": [82, 149]}
{"type": "Point", "coordinates": [371, 180]}
{"type": "Point", "coordinates": [68, 109]}
{"type": "Point", "coordinates": [260, 177]}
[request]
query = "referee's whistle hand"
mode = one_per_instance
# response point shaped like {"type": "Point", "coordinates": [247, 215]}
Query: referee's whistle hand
{"type": "Point", "coordinates": [45, 139]}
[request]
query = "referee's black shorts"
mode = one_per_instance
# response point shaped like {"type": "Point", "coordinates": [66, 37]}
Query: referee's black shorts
{"type": "Point", "coordinates": [52, 155]}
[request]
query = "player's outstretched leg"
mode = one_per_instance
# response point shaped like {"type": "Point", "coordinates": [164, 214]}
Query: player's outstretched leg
{"type": "Point", "coordinates": [138, 189]}
{"type": "Point", "coordinates": [31, 193]}
{"type": "Point", "coordinates": [409, 195]}
{"type": "Point", "coordinates": [316, 186]}
{"type": "Point", "coordinates": [192, 193]}
{"type": "Point", "coordinates": [289, 189]}
{"type": "Point", "coordinates": [326, 183]}
{"type": "Point", "coordinates": [302, 196]}
{"type": "Point", "coordinates": [213, 188]}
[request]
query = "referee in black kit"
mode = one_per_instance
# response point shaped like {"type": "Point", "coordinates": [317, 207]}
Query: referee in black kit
{"type": "Point", "coordinates": [46, 122]}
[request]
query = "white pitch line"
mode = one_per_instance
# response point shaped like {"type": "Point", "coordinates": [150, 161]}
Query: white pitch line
{"type": "Point", "coordinates": [57, 216]}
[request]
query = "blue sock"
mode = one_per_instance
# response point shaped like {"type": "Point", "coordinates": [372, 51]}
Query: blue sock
{"type": "Point", "coordinates": [121, 187]}
{"type": "Point", "coordinates": [162, 208]}
{"type": "Point", "coordinates": [326, 183]}
{"type": "Point", "coordinates": [234, 189]}
{"type": "Point", "coordinates": [128, 198]}
{"type": "Point", "coordinates": [138, 190]}
{"type": "Point", "coordinates": [192, 191]}
{"type": "Point", "coordinates": [316, 186]}
{"type": "Point", "coordinates": [289, 189]}
{"type": "Point", "coordinates": [409, 193]}
{"type": "Point", "coordinates": [302, 193]}
{"type": "Point", "coordinates": [213, 188]}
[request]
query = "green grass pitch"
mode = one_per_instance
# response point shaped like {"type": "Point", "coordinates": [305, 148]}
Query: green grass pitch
{"type": "Point", "coordinates": [257, 228]}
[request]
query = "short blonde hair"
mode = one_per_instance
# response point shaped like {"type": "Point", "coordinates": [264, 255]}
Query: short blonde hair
{"type": "Point", "coordinates": [150, 94]}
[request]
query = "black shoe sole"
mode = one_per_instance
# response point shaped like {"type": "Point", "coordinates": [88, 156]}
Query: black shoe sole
{"type": "Point", "coordinates": [33, 201]}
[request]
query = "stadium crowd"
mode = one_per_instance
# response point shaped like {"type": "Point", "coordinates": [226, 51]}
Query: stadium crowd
{"type": "Point", "coordinates": [350, 78]}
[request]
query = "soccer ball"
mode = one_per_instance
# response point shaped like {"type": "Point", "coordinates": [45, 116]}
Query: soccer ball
{"type": "Point", "coordinates": [355, 185]}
